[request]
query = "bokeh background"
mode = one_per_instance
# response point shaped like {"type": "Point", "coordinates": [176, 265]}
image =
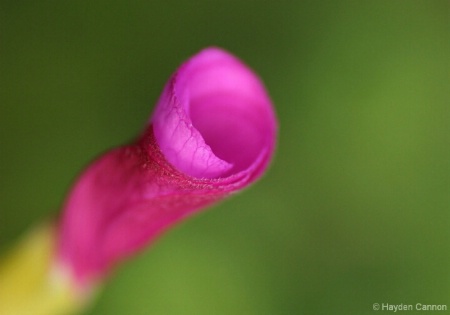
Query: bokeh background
{"type": "Point", "coordinates": [355, 209]}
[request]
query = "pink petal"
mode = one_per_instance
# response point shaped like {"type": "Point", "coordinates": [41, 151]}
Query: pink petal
{"type": "Point", "coordinates": [214, 117]}
{"type": "Point", "coordinates": [213, 133]}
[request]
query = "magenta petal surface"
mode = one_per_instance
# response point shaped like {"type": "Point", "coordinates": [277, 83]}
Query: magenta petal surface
{"type": "Point", "coordinates": [214, 117]}
{"type": "Point", "coordinates": [213, 133]}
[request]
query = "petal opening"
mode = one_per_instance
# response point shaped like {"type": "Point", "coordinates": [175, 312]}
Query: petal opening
{"type": "Point", "coordinates": [218, 110]}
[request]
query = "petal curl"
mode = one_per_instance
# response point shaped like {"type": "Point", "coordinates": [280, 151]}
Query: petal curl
{"type": "Point", "coordinates": [214, 117]}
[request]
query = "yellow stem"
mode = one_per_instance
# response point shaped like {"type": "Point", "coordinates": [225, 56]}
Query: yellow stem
{"type": "Point", "coordinates": [32, 283]}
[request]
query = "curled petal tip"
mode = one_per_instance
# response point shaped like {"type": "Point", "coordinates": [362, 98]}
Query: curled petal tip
{"type": "Point", "coordinates": [214, 118]}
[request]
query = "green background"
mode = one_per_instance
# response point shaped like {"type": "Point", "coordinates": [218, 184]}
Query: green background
{"type": "Point", "coordinates": [355, 208]}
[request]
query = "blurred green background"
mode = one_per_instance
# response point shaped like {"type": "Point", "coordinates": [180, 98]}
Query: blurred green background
{"type": "Point", "coordinates": [355, 209]}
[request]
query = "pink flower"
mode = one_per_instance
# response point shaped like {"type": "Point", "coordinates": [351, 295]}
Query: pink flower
{"type": "Point", "coordinates": [213, 133]}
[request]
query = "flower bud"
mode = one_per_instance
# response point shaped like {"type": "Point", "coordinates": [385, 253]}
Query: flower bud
{"type": "Point", "coordinates": [212, 133]}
